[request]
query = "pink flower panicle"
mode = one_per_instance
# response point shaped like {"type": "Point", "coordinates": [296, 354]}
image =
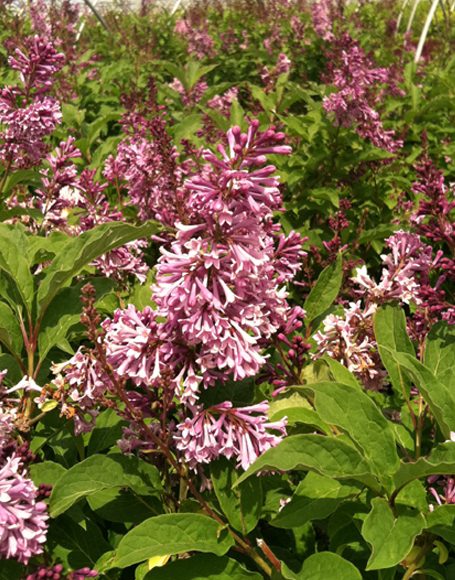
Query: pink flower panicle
{"type": "Point", "coordinates": [442, 488]}
{"type": "Point", "coordinates": [219, 285]}
{"type": "Point", "coordinates": [27, 114]}
{"type": "Point", "coordinates": [357, 82]}
{"type": "Point", "coordinates": [222, 430]}
{"type": "Point", "coordinates": [200, 43]}
{"type": "Point", "coordinates": [65, 190]}
{"type": "Point", "coordinates": [433, 218]}
{"type": "Point", "coordinates": [133, 344]}
{"type": "Point", "coordinates": [7, 423]}
{"type": "Point", "coordinates": [60, 181]}
{"type": "Point", "coordinates": [146, 166]}
{"type": "Point", "coordinates": [409, 260]}
{"type": "Point", "coordinates": [80, 385]}
{"type": "Point", "coordinates": [23, 519]}
{"type": "Point", "coordinates": [269, 77]}
{"type": "Point", "coordinates": [37, 64]}
{"type": "Point", "coordinates": [190, 97]}
{"type": "Point", "coordinates": [349, 339]}
{"type": "Point", "coordinates": [323, 14]}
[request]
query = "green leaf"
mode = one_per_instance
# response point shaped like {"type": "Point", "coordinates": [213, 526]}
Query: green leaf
{"type": "Point", "coordinates": [28, 176]}
{"type": "Point", "coordinates": [77, 252]}
{"type": "Point", "coordinates": [353, 411]}
{"type": "Point", "coordinates": [325, 565]}
{"type": "Point", "coordinates": [100, 472]}
{"type": "Point", "coordinates": [14, 261]}
{"type": "Point", "coordinates": [315, 498]}
{"type": "Point", "coordinates": [442, 522]}
{"type": "Point", "coordinates": [325, 455]}
{"type": "Point", "coordinates": [11, 570]}
{"type": "Point", "coordinates": [391, 538]}
{"type": "Point", "coordinates": [100, 125]}
{"type": "Point", "coordinates": [325, 291]}
{"type": "Point", "coordinates": [340, 373]}
{"type": "Point", "coordinates": [440, 352]}
{"type": "Point", "coordinates": [10, 332]}
{"type": "Point", "coordinates": [203, 567]}
{"type": "Point", "coordinates": [141, 295]}
{"type": "Point", "coordinates": [123, 506]}
{"type": "Point", "coordinates": [390, 332]}
{"type": "Point", "coordinates": [72, 116]}
{"type": "Point", "coordinates": [439, 397]}
{"type": "Point", "coordinates": [296, 409]}
{"type": "Point", "coordinates": [107, 431]}
{"type": "Point", "coordinates": [74, 545]}
{"type": "Point", "coordinates": [187, 128]}
{"type": "Point", "coordinates": [47, 472]}
{"type": "Point", "coordinates": [441, 461]}
{"type": "Point", "coordinates": [171, 534]}
{"type": "Point", "coordinates": [241, 505]}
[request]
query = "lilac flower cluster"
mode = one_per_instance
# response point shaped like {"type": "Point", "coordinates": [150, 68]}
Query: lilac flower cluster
{"type": "Point", "coordinates": [220, 297]}
{"type": "Point", "coordinates": [323, 15]}
{"type": "Point", "coordinates": [65, 191]}
{"type": "Point", "coordinates": [146, 167]}
{"type": "Point", "coordinates": [442, 488]}
{"type": "Point", "coordinates": [358, 82]}
{"type": "Point", "coordinates": [27, 113]}
{"type": "Point", "coordinates": [190, 97]}
{"type": "Point", "coordinates": [405, 278]}
{"type": "Point", "coordinates": [223, 431]}
{"type": "Point", "coordinates": [269, 77]}
{"type": "Point", "coordinates": [219, 285]}
{"type": "Point", "coordinates": [200, 43]}
{"type": "Point", "coordinates": [408, 261]}
{"type": "Point", "coordinates": [79, 385]}
{"type": "Point", "coordinates": [23, 519]}
{"type": "Point", "coordinates": [349, 338]}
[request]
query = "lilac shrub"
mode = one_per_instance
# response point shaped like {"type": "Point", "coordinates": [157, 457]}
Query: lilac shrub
{"type": "Point", "coordinates": [226, 295]}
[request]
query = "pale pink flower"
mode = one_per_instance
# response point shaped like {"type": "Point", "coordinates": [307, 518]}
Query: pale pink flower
{"type": "Point", "coordinates": [23, 519]}
{"type": "Point", "coordinates": [222, 430]}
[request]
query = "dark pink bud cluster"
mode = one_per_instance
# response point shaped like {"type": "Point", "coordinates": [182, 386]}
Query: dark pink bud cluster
{"type": "Point", "coordinates": [436, 204]}
{"type": "Point", "coordinates": [57, 572]}
{"type": "Point", "coordinates": [358, 83]}
{"type": "Point", "coordinates": [190, 97]}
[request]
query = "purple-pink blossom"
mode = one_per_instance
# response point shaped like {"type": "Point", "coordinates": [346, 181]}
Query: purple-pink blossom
{"type": "Point", "coordinates": [23, 519]}
{"type": "Point", "coordinates": [223, 430]}
{"type": "Point", "coordinates": [132, 342]}
{"type": "Point", "coordinates": [349, 339]}
{"type": "Point", "coordinates": [220, 283]}
{"type": "Point", "coordinates": [27, 114]}
{"type": "Point", "coordinates": [358, 83]}
{"type": "Point", "coordinates": [407, 260]}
